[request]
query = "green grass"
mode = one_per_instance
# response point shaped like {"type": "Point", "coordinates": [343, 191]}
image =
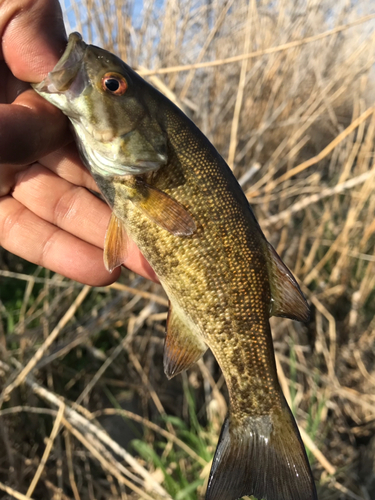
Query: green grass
{"type": "Point", "coordinates": [181, 474]}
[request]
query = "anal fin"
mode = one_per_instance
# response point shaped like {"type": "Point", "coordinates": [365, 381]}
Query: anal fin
{"type": "Point", "coordinates": [287, 299]}
{"type": "Point", "coordinates": [183, 345]}
{"type": "Point", "coordinates": [115, 244]}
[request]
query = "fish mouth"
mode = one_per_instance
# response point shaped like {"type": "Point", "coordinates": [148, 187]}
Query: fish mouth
{"type": "Point", "coordinates": [68, 75]}
{"type": "Point", "coordinates": [70, 87]}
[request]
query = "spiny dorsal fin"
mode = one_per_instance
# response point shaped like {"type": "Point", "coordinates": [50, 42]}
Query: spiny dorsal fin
{"type": "Point", "coordinates": [183, 345]}
{"type": "Point", "coordinates": [261, 456]}
{"type": "Point", "coordinates": [158, 206]}
{"type": "Point", "coordinates": [287, 299]}
{"type": "Point", "coordinates": [115, 244]}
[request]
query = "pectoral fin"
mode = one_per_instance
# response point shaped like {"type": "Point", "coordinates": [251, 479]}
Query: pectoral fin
{"type": "Point", "coordinates": [287, 299]}
{"type": "Point", "coordinates": [159, 207]}
{"type": "Point", "coordinates": [183, 345]}
{"type": "Point", "coordinates": [115, 244]}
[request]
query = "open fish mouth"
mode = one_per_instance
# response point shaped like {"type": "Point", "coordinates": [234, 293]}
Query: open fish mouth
{"type": "Point", "coordinates": [67, 76]}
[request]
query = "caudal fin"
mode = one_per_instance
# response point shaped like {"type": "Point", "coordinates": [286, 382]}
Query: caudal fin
{"type": "Point", "coordinates": [263, 456]}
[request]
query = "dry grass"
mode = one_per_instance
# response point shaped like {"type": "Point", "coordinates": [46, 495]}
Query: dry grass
{"type": "Point", "coordinates": [285, 91]}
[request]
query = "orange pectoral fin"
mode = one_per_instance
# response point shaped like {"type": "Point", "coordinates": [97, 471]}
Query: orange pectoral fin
{"type": "Point", "coordinates": [115, 244]}
{"type": "Point", "coordinates": [183, 345]}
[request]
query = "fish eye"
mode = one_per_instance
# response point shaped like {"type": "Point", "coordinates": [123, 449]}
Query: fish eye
{"type": "Point", "coordinates": [114, 83]}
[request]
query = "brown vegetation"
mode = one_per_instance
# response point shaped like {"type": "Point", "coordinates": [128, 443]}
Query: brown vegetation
{"type": "Point", "coordinates": [296, 120]}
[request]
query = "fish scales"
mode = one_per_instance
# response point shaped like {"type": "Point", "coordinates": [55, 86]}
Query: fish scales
{"type": "Point", "coordinates": [171, 191]}
{"type": "Point", "coordinates": [236, 268]}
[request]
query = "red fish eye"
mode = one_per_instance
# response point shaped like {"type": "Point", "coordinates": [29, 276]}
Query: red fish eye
{"type": "Point", "coordinates": [114, 83]}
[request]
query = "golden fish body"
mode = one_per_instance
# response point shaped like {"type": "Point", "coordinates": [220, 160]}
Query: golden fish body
{"type": "Point", "coordinates": [175, 196]}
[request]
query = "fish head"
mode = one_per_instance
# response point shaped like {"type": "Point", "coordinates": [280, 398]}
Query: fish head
{"type": "Point", "coordinates": [117, 133]}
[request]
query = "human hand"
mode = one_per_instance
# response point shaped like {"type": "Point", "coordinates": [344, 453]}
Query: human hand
{"type": "Point", "coordinates": [47, 214]}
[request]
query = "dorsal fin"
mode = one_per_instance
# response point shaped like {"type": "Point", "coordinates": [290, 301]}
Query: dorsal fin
{"type": "Point", "coordinates": [183, 344]}
{"type": "Point", "coordinates": [115, 244]}
{"type": "Point", "coordinates": [287, 299]}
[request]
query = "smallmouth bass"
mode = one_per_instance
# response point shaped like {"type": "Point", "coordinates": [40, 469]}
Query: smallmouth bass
{"type": "Point", "coordinates": [171, 191]}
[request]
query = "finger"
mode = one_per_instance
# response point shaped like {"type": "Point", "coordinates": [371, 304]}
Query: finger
{"type": "Point", "coordinates": [10, 86]}
{"type": "Point", "coordinates": [33, 36]}
{"type": "Point", "coordinates": [7, 177]}
{"type": "Point", "coordinates": [26, 235]}
{"type": "Point", "coordinates": [30, 128]}
{"type": "Point", "coordinates": [73, 209]}
{"type": "Point", "coordinates": [66, 163]}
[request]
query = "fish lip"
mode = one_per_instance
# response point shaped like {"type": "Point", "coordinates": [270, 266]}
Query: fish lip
{"type": "Point", "coordinates": [66, 75]}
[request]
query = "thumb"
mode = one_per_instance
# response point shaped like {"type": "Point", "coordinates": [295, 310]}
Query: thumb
{"type": "Point", "coordinates": [33, 37]}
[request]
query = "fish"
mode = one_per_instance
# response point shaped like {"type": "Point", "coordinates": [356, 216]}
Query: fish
{"type": "Point", "coordinates": [173, 194]}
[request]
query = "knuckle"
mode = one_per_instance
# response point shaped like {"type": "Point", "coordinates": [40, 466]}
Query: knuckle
{"type": "Point", "coordinates": [47, 245]}
{"type": "Point", "coordinates": [66, 207]}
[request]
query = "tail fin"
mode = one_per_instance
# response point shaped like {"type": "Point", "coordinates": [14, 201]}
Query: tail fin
{"type": "Point", "coordinates": [263, 456]}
